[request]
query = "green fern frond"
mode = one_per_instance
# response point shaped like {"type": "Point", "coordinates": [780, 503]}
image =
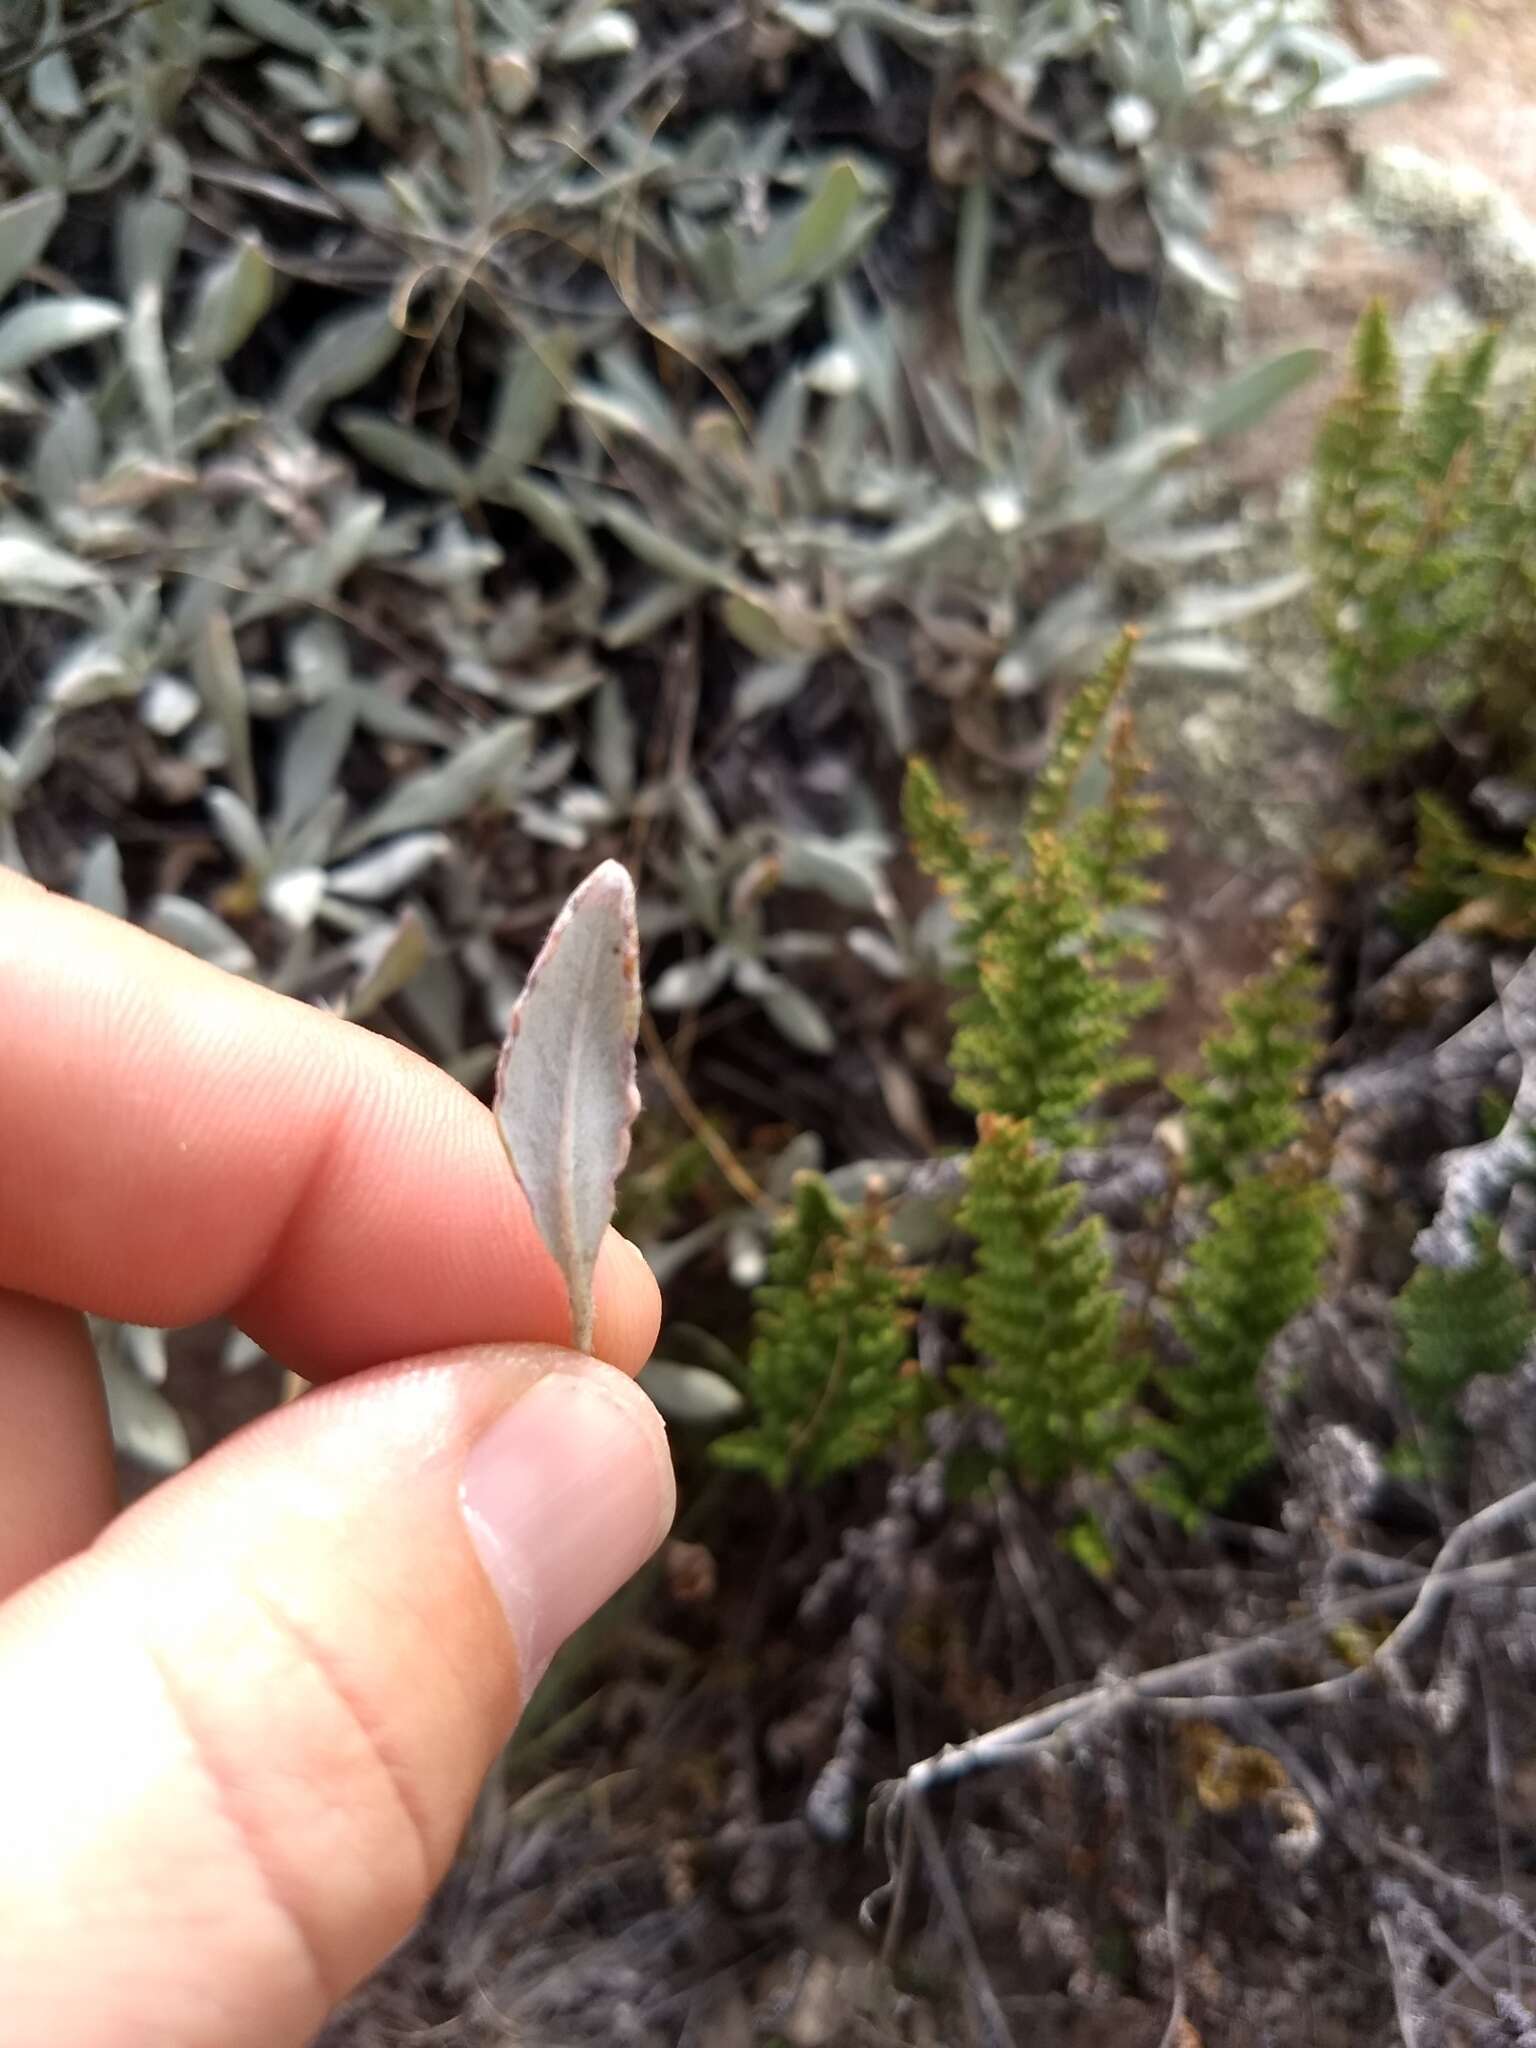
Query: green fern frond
{"type": "Point", "coordinates": [1455, 1323]}
{"type": "Point", "coordinates": [1487, 888]}
{"type": "Point", "coordinates": [977, 879]}
{"type": "Point", "coordinates": [1042, 1037]}
{"type": "Point", "coordinates": [1449, 419]}
{"type": "Point", "coordinates": [1116, 839]}
{"type": "Point", "coordinates": [1257, 1266]}
{"type": "Point", "coordinates": [1245, 1105]}
{"type": "Point", "coordinates": [1051, 989]}
{"type": "Point", "coordinates": [1082, 721]}
{"type": "Point", "coordinates": [1042, 1312]}
{"type": "Point", "coordinates": [1424, 547]}
{"type": "Point", "coordinates": [829, 1362]}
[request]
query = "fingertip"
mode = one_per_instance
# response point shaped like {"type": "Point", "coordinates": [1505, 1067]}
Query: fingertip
{"type": "Point", "coordinates": [565, 1496]}
{"type": "Point", "coordinates": [628, 1305]}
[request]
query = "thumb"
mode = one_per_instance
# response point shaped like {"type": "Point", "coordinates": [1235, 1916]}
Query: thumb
{"type": "Point", "coordinates": [242, 1734]}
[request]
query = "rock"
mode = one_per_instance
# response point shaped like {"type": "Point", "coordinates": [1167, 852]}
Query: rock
{"type": "Point", "coordinates": [1490, 240]}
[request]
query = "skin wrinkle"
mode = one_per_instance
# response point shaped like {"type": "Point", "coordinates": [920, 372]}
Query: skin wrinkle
{"type": "Point", "coordinates": [323, 1995]}
{"type": "Point", "coordinates": [430, 1854]}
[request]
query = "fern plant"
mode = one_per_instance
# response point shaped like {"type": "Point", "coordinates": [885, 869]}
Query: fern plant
{"type": "Point", "coordinates": [1454, 1323]}
{"type": "Point", "coordinates": [1245, 1104]}
{"type": "Point", "coordinates": [1419, 541]}
{"type": "Point", "coordinates": [1257, 1265]}
{"type": "Point", "coordinates": [1460, 875]}
{"type": "Point", "coordinates": [1049, 988]}
{"type": "Point", "coordinates": [1042, 1311]}
{"type": "Point", "coordinates": [1253, 1160]}
{"type": "Point", "coordinates": [1424, 546]}
{"type": "Point", "coordinates": [829, 1364]}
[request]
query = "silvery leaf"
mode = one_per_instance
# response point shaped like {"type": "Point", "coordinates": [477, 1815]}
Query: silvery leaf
{"type": "Point", "coordinates": [433, 1001]}
{"type": "Point", "coordinates": [295, 896]}
{"type": "Point", "coordinates": [1377, 85]}
{"type": "Point", "coordinates": [232, 297]}
{"type": "Point", "coordinates": [48, 325]}
{"type": "Point", "coordinates": [690, 982]}
{"type": "Point", "coordinates": [1204, 608]}
{"type": "Point", "coordinates": [553, 515]}
{"type": "Point", "coordinates": [168, 706]}
{"type": "Point", "coordinates": [1095, 173]}
{"type": "Point", "coordinates": [197, 930]}
{"type": "Point", "coordinates": [1198, 655]}
{"type": "Point", "coordinates": [878, 952]}
{"type": "Point", "coordinates": [549, 771]}
{"type": "Point", "coordinates": [143, 1348]}
{"type": "Point", "coordinates": [890, 693]}
{"type": "Point", "coordinates": [539, 696]}
{"type": "Point", "coordinates": [614, 743]}
{"type": "Point", "coordinates": [1063, 631]}
{"type": "Point", "coordinates": [442, 795]}
{"type": "Point", "coordinates": [389, 964]}
{"type": "Point", "coordinates": [789, 1009]}
{"type": "Point", "coordinates": [240, 1353]}
{"type": "Point", "coordinates": [99, 877]}
{"type": "Point", "coordinates": [313, 750]}
{"type": "Point", "coordinates": [144, 1425]}
{"type": "Point", "coordinates": [528, 404]}
{"type": "Point", "coordinates": [1247, 397]}
{"type": "Point", "coordinates": [373, 877]}
{"type": "Point", "coordinates": [405, 452]}
{"type": "Point", "coordinates": [644, 537]}
{"type": "Point", "coordinates": [240, 829]}
{"type": "Point", "coordinates": [1169, 547]}
{"type": "Point", "coordinates": [220, 679]}
{"type": "Point", "coordinates": [767, 686]}
{"type": "Point", "coordinates": [290, 27]}
{"type": "Point", "coordinates": [691, 1395]}
{"type": "Point", "coordinates": [646, 613]}
{"type": "Point", "coordinates": [552, 827]}
{"type": "Point", "coordinates": [90, 672]}
{"type": "Point", "coordinates": [667, 1260]}
{"type": "Point", "coordinates": [68, 453]}
{"type": "Point", "coordinates": [31, 752]}
{"type": "Point", "coordinates": [746, 1253]}
{"type": "Point", "coordinates": [565, 1086]}
{"type": "Point", "coordinates": [144, 348]}
{"type": "Point", "coordinates": [26, 227]}
{"type": "Point", "coordinates": [850, 870]}
{"type": "Point", "coordinates": [1197, 266]}
{"type": "Point", "coordinates": [609, 32]}
{"type": "Point", "coordinates": [311, 843]}
{"type": "Point", "coordinates": [340, 357]}
{"type": "Point", "coordinates": [804, 1153]}
{"type": "Point", "coordinates": [32, 572]}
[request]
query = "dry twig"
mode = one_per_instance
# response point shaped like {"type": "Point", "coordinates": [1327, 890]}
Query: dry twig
{"type": "Point", "coordinates": [1174, 1690]}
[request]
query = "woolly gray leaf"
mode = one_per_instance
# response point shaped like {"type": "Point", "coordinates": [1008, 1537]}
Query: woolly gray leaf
{"type": "Point", "coordinates": [26, 226]}
{"type": "Point", "coordinates": [691, 1395]}
{"type": "Point", "coordinates": [565, 1085]}
{"type": "Point", "coordinates": [48, 325]}
{"type": "Point", "coordinates": [446, 793]}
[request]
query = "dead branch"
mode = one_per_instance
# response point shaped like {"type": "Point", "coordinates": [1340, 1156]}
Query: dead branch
{"type": "Point", "coordinates": [1176, 1690]}
{"type": "Point", "coordinates": [1479, 1178]}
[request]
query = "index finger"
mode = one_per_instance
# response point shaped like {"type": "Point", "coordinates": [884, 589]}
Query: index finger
{"type": "Point", "coordinates": [180, 1143]}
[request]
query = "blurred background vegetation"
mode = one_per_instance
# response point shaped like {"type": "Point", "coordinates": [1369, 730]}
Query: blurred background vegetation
{"type": "Point", "coordinates": [814, 451]}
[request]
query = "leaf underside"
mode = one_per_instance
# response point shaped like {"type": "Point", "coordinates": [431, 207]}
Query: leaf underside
{"type": "Point", "coordinates": [565, 1084]}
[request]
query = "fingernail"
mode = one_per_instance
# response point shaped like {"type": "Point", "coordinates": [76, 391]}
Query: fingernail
{"type": "Point", "coordinates": [566, 1495]}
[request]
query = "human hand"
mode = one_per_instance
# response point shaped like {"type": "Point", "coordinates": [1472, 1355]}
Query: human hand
{"type": "Point", "coordinates": [242, 1725]}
